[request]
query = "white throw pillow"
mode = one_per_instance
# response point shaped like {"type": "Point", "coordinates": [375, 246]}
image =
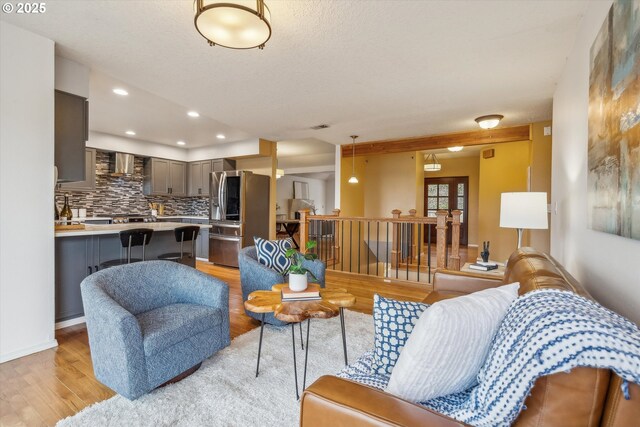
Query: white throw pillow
{"type": "Point", "coordinates": [449, 344]}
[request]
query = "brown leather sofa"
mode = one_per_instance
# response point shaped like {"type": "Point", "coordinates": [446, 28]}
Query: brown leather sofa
{"type": "Point", "coordinates": [580, 398]}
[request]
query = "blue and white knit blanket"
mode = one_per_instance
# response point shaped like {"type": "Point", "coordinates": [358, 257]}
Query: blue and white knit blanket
{"type": "Point", "coordinates": [544, 332]}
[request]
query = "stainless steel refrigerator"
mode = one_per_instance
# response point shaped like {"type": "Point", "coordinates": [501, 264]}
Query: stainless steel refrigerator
{"type": "Point", "coordinates": [239, 211]}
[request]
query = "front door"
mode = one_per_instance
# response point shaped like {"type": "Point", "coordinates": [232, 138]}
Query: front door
{"type": "Point", "coordinates": [450, 193]}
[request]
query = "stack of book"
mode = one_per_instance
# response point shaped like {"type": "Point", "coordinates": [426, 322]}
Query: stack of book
{"type": "Point", "coordinates": [310, 294]}
{"type": "Point", "coordinates": [484, 266]}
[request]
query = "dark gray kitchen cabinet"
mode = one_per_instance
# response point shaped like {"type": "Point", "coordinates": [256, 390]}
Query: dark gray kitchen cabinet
{"type": "Point", "coordinates": [165, 177]}
{"type": "Point", "coordinates": [70, 135]}
{"type": "Point", "coordinates": [199, 178]}
{"type": "Point", "coordinates": [89, 182]}
{"type": "Point", "coordinates": [177, 178]}
{"type": "Point", "coordinates": [202, 242]}
{"type": "Point", "coordinates": [220, 165]}
{"type": "Point", "coordinates": [76, 258]}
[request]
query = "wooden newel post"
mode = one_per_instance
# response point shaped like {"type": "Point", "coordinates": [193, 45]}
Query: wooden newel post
{"type": "Point", "coordinates": [395, 236]}
{"type": "Point", "coordinates": [304, 228]}
{"type": "Point", "coordinates": [441, 238]}
{"type": "Point", "coordinates": [454, 259]}
{"type": "Point", "coordinates": [414, 234]}
{"type": "Point", "coordinates": [336, 242]}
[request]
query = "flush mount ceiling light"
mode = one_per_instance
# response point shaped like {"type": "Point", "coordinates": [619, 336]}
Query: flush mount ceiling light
{"type": "Point", "coordinates": [455, 149]}
{"type": "Point", "coordinates": [353, 179]}
{"type": "Point", "coordinates": [431, 163]}
{"type": "Point", "coordinates": [490, 121]}
{"type": "Point", "coordinates": [181, 143]}
{"type": "Point", "coordinates": [236, 24]}
{"type": "Point", "coordinates": [121, 92]}
{"type": "Point", "coordinates": [220, 136]}
{"type": "Point", "coordinates": [130, 132]}
{"type": "Point", "coordinates": [193, 114]}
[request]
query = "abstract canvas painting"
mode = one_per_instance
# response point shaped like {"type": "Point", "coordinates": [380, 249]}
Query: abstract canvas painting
{"type": "Point", "coordinates": [614, 123]}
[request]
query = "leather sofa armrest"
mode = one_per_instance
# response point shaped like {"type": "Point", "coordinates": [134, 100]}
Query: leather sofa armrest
{"type": "Point", "coordinates": [461, 282]}
{"type": "Point", "coordinates": [451, 284]}
{"type": "Point", "coordinates": [333, 401]}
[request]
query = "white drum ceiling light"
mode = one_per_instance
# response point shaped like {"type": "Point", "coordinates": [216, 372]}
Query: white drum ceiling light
{"type": "Point", "coordinates": [236, 24]}
{"type": "Point", "coordinates": [490, 121]}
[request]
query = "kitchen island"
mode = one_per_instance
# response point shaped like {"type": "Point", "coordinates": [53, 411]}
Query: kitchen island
{"type": "Point", "coordinates": [79, 253]}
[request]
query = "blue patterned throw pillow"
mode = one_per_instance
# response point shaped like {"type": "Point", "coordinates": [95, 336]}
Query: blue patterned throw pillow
{"type": "Point", "coordinates": [393, 322]}
{"type": "Point", "coordinates": [272, 253]}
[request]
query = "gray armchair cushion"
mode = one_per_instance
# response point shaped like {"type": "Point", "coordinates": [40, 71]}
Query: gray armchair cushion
{"type": "Point", "coordinates": [150, 321]}
{"type": "Point", "coordinates": [165, 326]}
{"type": "Point", "coordinates": [254, 277]}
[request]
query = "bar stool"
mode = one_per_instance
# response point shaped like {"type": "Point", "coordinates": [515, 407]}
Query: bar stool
{"type": "Point", "coordinates": [129, 239]}
{"type": "Point", "coordinates": [183, 234]}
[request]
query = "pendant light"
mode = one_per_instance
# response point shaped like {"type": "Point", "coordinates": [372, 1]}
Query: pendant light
{"type": "Point", "coordinates": [431, 163]}
{"type": "Point", "coordinates": [353, 179]}
{"type": "Point", "coordinates": [236, 24]}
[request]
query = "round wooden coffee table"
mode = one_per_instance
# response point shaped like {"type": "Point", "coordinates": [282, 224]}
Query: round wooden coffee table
{"type": "Point", "coordinates": [332, 304]}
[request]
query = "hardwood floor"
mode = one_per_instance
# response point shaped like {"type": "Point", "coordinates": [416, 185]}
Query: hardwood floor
{"type": "Point", "coordinates": [40, 389]}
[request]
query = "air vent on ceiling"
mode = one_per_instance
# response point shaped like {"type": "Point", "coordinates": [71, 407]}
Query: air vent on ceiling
{"type": "Point", "coordinates": [318, 127]}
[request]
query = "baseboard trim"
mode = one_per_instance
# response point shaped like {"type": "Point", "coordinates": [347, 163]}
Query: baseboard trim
{"type": "Point", "coordinates": [70, 322]}
{"type": "Point", "coordinates": [29, 350]}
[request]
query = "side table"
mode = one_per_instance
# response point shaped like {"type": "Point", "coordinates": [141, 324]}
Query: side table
{"type": "Point", "coordinates": [331, 305]}
{"type": "Point", "coordinates": [498, 273]}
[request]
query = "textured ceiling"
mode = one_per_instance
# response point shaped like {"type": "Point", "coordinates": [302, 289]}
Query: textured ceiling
{"type": "Point", "coordinates": [379, 69]}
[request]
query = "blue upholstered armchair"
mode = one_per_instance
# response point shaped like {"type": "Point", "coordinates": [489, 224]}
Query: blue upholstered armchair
{"type": "Point", "coordinates": [255, 277]}
{"type": "Point", "coordinates": [150, 321]}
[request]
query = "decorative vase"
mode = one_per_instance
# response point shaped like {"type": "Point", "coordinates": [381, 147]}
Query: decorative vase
{"type": "Point", "coordinates": [297, 282]}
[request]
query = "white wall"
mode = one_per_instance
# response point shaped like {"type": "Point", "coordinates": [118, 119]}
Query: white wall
{"type": "Point", "coordinates": [330, 195]}
{"type": "Point", "coordinates": [71, 77]}
{"type": "Point", "coordinates": [26, 183]}
{"type": "Point", "coordinates": [108, 142]}
{"type": "Point", "coordinates": [607, 265]}
{"type": "Point", "coordinates": [284, 192]}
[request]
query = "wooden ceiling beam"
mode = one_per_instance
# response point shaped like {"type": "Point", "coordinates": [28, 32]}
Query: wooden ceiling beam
{"type": "Point", "coordinates": [468, 138]}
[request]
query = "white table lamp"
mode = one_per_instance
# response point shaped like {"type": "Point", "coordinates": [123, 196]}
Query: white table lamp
{"type": "Point", "coordinates": [523, 210]}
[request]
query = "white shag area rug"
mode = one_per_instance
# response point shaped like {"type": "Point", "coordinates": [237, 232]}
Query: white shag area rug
{"type": "Point", "coordinates": [225, 391]}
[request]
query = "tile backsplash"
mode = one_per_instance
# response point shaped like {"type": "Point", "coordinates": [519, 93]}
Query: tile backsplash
{"type": "Point", "coordinates": [123, 195]}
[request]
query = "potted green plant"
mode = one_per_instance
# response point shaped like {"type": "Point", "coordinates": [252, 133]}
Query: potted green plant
{"type": "Point", "coordinates": [297, 272]}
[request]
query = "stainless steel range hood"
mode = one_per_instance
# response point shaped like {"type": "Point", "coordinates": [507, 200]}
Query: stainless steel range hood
{"type": "Point", "coordinates": [121, 164]}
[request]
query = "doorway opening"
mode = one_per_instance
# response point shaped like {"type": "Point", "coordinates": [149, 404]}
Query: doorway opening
{"type": "Point", "coordinates": [448, 193]}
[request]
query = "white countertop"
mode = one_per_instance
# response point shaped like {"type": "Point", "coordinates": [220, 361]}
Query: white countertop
{"type": "Point", "coordinates": [182, 217]}
{"type": "Point", "coordinates": [97, 229]}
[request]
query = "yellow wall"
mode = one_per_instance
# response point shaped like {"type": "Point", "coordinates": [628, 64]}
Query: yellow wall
{"type": "Point", "coordinates": [396, 181]}
{"type": "Point", "coordinates": [541, 180]}
{"type": "Point", "coordinates": [505, 172]}
{"type": "Point", "coordinates": [461, 166]}
{"type": "Point", "coordinates": [352, 195]}
{"type": "Point", "coordinates": [389, 183]}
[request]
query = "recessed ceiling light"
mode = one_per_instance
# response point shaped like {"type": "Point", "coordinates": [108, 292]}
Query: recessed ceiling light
{"type": "Point", "coordinates": [454, 149]}
{"type": "Point", "coordinates": [193, 114]}
{"type": "Point", "coordinates": [181, 143]}
{"type": "Point", "coordinates": [121, 92]}
{"type": "Point", "coordinates": [130, 132]}
{"type": "Point", "coordinates": [220, 136]}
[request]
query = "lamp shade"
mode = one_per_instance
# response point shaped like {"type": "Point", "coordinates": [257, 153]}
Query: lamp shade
{"type": "Point", "coordinates": [524, 210]}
